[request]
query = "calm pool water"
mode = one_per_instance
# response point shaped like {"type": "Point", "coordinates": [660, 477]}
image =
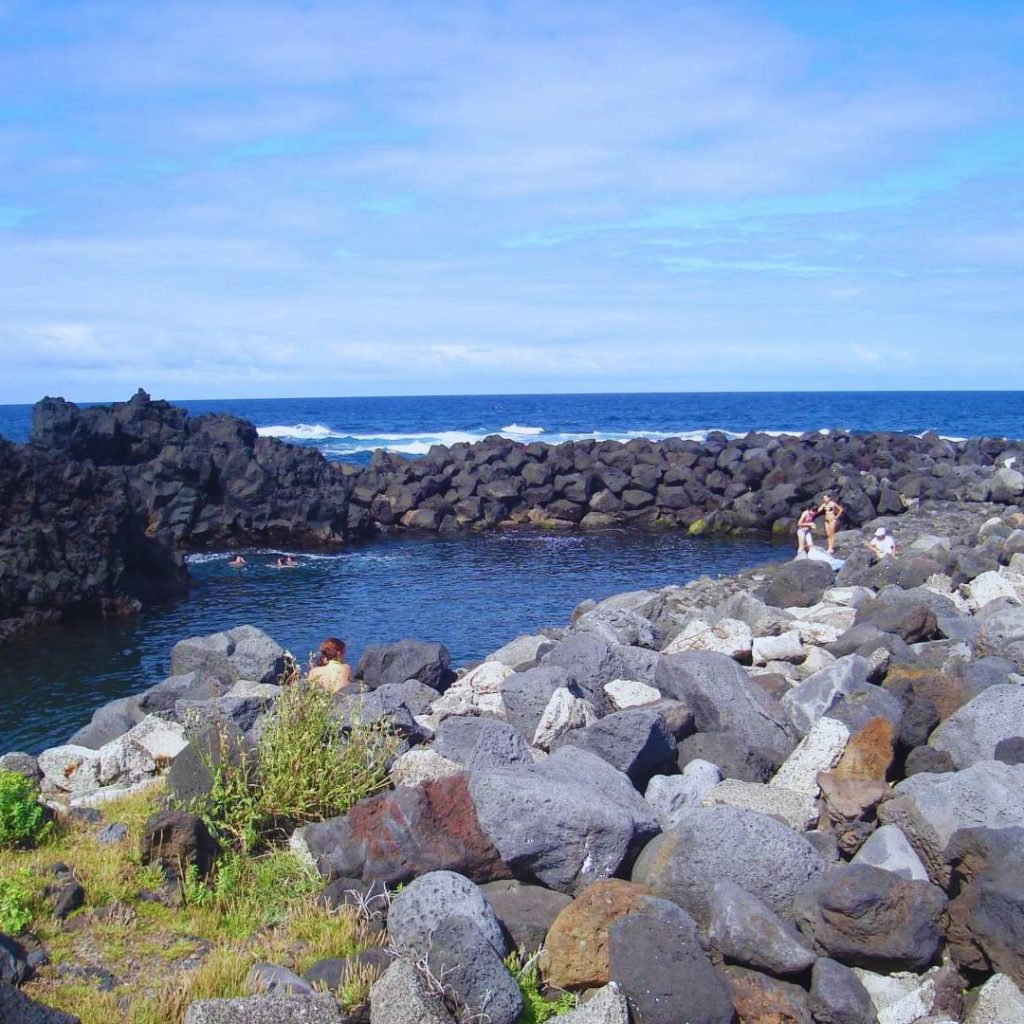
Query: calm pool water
{"type": "Point", "coordinates": [471, 593]}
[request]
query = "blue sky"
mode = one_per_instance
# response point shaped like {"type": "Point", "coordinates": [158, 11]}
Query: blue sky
{"type": "Point", "coordinates": [256, 199]}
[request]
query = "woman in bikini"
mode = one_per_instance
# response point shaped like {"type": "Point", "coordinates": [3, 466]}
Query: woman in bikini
{"type": "Point", "coordinates": [832, 511]}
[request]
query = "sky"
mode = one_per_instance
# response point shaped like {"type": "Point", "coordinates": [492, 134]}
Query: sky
{"type": "Point", "coordinates": [259, 199]}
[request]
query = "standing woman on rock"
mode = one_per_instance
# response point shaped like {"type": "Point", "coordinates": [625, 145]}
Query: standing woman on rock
{"type": "Point", "coordinates": [331, 673]}
{"type": "Point", "coordinates": [832, 511]}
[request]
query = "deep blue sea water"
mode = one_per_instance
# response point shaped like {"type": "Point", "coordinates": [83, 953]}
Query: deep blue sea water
{"type": "Point", "coordinates": [472, 593]}
{"type": "Point", "coordinates": [349, 428]}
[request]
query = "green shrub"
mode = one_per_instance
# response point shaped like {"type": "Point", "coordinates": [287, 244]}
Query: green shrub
{"type": "Point", "coordinates": [308, 767]}
{"type": "Point", "coordinates": [21, 816]}
{"type": "Point", "coordinates": [16, 902]}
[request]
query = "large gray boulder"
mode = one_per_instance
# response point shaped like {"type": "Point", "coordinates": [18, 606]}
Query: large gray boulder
{"type": "Point", "coordinates": [746, 931]}
{"type": "Point", "coordinates": [523, 652]}
{"type": "Point", "coordinates": [1002, 635]}
{"type": "Point", "coordinates": [108, 722]}
{"type": "Point", "coordinates": [244, 652]}
{"type": "Point", "coordinates": [425, 902]}
{"type": "Point", "coordinates": [986, 912]}
{"type": "Point", "coordinates": [888, 848]}
{"type": "Point", "coordinates": [473, 972]}
{"type": "Point", "coordinates": [618, 626]}
{"type": "Point", "coordinates": [400, 996]}
{"type": "Point", "coordinates": [480, 743]}
{"type": "Point", "coordinates": [526, 696]}
{"type": "Point", "coordinates": [838, 996]}
{"type": "Point", "coordinates": [797, 584]}
{"type": "Point", "coordinates": [526, 912]}
{"type": "Point", "coordinates": [636, 742]}
{"type": "Point", "coordinates": [866, 917]}
{"type": "Point", "coordinates": [812, 698]}
{"type": "Point", "coordinates": [674, 796]}
{"type": "Point", "coordinates": [910, 619]}
{"type": "Point", "coordinates": [568, 821]}
{"type": "Point", "coordinates": [406, 659]}
{"type": "Point", "coordinates": [758, 853]}
{"type": "Point", "coordinates": [929, 808]}
{"type": "Point", "coordinates": [973, 732]}
{"type": "Point", "coordinates": [17, 1008]}
{"type": "Point", "coordinates": [265, 1009]}
{"type": "Point", "coordinates": [725, 699]}
{"type": "Point", "coordinates": [664, 974]}
{"type": "Point", "coordinates": [591, 662]}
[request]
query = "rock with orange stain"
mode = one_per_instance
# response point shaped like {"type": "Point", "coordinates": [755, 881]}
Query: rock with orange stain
{"type": "Point", "coordinates": [576, 950]}
{"type": "Point", "coordinates": [869, 752]}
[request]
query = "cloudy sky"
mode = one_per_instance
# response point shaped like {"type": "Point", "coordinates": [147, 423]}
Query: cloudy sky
{"type": "Point", "coordinates": [265, 198]}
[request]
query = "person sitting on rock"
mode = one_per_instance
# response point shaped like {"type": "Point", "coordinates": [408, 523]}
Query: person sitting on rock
{"type": "Point", "coordinates": [882, 543]}
{"type": "Point", "coordinates": [331, 672]}
{"type": "Point", "coordinates": [805, 529]}
{"type": "Point", "coordinates": [237, 562]}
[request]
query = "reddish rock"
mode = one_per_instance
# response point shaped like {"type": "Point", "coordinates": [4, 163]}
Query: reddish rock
{"type": "Point", "coordinates": [407, 832]}
{"type": "Point", "coordinates": [946, 692]}
{"type": "Point", "coordinates": [869, 752]}
{"type": "Point", "coordinates": [576, 949]}
{"type": "Point", "coordinates": [866, 917]}
{"type": "Point", "coordinates": [759, 999]}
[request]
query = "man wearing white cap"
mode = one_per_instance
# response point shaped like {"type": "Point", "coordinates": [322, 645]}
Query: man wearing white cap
{"type": "Point", "coordinates": [882, 543]}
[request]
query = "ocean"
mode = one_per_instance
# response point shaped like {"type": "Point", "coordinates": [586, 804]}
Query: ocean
{"type": "Point", "coordinates": [350, 428]}
{"type": "Point", "coordinates": [472, 593]}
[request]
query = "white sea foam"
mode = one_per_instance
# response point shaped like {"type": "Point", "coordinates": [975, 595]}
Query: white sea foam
{"type": "Point", "coordinates": [298, 431]}
{"type": "Point", "coordinates": [338, 444]}
{"type": "Point", "coordinates": [514, 429]}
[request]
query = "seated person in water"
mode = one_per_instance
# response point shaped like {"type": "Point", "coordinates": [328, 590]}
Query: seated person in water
{"type": "Point", "coordinates": [237, 562]}
{"type": "Point", "coordinates": [882, 543]}
{"type": "Point", "coordinates": [331, 673]}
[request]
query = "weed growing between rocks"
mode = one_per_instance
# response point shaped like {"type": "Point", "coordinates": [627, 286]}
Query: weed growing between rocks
{"type": "Point", "coordinates": [16, 902]}
{"type": "Point", "coordinates": [21, 816]}
{"type": "Point", "coordinates": [309, 765]}
{"type": "Point", "coordinates": [536, 1007]}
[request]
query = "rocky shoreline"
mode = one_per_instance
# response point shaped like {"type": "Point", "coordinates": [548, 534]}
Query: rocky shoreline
{"type": "Point", "coordinates": [792, 795]}
{"type": "Point", "coordinates": [100, 507]}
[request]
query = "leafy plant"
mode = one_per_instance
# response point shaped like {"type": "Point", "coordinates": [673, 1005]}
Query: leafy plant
{"type": "Point", "coordinates": [21, 816]}
{"type": "Point", "coordinates": [16, 902]}
{"type": "Point", "coordinates": [536, 1008]}
{"type": "Point", "coordinates": [308, 766]}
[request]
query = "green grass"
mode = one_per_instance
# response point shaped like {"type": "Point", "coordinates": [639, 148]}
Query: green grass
{"type": "Point", "coordinates": [252, 908]}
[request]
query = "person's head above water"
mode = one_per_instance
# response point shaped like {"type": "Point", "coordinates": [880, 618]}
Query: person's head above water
{"type": "Point", "coordinates": [332, 649]}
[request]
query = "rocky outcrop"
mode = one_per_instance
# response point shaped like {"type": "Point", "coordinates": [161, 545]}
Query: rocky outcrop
{"type": "Point", "coordinates": [100, 505]}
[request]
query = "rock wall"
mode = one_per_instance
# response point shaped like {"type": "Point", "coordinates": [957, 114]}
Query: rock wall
{"type": "Point", "coordinates": [99, 507]}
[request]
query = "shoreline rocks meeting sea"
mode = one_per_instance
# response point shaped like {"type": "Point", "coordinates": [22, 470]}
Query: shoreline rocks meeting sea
{"type": "Point", "coordinates": [795, 794]}
{"type": "Point", "coordinates": [102, 504]}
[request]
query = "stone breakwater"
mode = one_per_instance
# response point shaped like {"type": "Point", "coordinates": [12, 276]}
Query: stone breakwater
{"type": "Point", "coordinates": [100, 506]}
{"type": "Point", "coordinates": [790, 795]}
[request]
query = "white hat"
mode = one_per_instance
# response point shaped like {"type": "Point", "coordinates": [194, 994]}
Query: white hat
{"type": "Point", "coordinates": [880, 532]}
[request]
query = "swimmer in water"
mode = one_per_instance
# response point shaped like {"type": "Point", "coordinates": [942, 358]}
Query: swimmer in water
{"type": "Point", "coordinates": [237, 562]}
